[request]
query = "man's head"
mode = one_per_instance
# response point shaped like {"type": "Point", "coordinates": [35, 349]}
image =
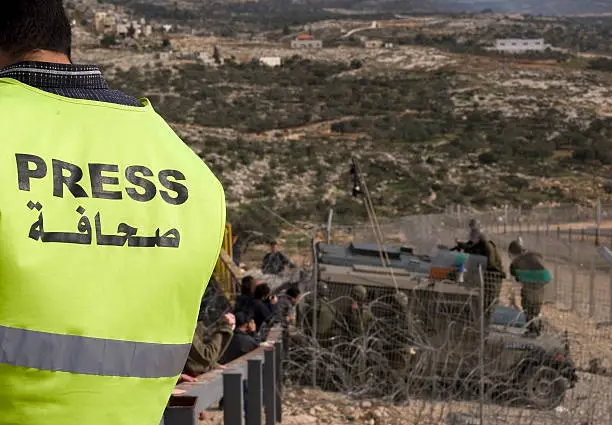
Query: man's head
{"type": "Point", "coordinates": [359, 293]}
{"type": "Point", "coordinates": [516, 248]}
{"type": "Point", "coordinates": [247, 286]}
{"type": "Point", "coordinates": [34, 30]}
{"type": "Point", "coordinates": [274, 247]}
{"type": "Point", "coordinates": [322, 290]}
{"type": "Point", "coordinates": [401, 300]}
{"type": "Point", "coordinates": [294, 294]}
{"type": "Point", "coordinates": [262, 292]}
{"type": "Point", "coordinates": [475, 233]}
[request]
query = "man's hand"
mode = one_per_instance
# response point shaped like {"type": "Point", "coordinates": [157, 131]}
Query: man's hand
{"type": "Point", "coordinates": [230, 319]}
{"type": "Point", "coordinates": [186, 378]}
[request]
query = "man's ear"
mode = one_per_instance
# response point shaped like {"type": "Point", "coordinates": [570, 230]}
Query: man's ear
{"type": "Point", "coordinates": [5, 59]}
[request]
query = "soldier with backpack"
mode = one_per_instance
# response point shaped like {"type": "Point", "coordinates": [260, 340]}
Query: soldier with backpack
{"type": "Point", "coordinates": [528, 269]}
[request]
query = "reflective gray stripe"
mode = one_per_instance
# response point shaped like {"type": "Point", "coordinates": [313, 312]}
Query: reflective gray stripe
{"type": "Point", "coordinates": [90, 356]}
{"type": "Point", "coordinates": [50, 71]}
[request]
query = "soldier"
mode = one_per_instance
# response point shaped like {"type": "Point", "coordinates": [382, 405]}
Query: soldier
{"type": "Point", "coordinates": [528, 269]}
{"type": "Point", "coordinates": [400, 334]}
{"type": "Point", "coordinates": [494, 274]}
{"type": "Point", "coordinates": [326, 313]}
{"type": "Point", "coordinates": [351, 313]}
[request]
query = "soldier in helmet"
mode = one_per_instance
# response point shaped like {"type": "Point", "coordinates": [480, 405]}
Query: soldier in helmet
{"type": "Point", "coordinates": [325, 313]}
{"type": "Point", "coordinates": [528, 269]}
{"type": "Point", "coordinates": [494, 274]}
{"type": "Point", "coordinates": [352, 317]}
{"type": "Point", "coordinates": [396, 328]}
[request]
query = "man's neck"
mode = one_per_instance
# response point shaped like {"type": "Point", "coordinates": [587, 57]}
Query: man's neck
{"type": "Point", "coordinates": [45, 56]}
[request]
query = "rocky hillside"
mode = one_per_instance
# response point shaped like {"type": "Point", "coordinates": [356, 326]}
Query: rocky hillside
{"type": "Point", "coordinates": [430, 124]}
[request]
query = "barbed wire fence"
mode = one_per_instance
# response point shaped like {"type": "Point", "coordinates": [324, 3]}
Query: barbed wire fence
{"type": "Point", "coordinates": [365, 357]}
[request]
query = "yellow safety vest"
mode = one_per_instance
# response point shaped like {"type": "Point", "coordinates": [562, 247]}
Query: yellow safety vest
{"type": "Point", "coordinates": [110, 228]}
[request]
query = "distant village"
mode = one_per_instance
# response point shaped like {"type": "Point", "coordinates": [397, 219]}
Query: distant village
{"type": "Point", "coordinates": [116, 28]}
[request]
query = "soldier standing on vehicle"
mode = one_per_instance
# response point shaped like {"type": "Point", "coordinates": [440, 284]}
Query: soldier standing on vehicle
{"type": "Point", "coordinates": [529, 270]}
{"type": "Point", "coordinates": [494, 274]}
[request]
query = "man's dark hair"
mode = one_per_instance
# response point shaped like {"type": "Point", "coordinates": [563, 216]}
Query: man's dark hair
{"type": "Point", "coordinates": [247, 286]}
{"type": "Point", "coordinates": [262, 291]}
{"type": "Point", "coordinates": [293, 292]}
{"type": "Point", "coordinates": [30, 25]}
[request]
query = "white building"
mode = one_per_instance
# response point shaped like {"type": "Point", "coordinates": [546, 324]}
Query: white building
{"type": "Point", "coordinates": [270, 61]}
{"type": "Point", "coordinates": [519, 45]}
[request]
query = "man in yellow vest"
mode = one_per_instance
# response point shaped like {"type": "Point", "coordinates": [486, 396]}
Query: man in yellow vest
{"type": "Point", "coordinates": [110, 227]}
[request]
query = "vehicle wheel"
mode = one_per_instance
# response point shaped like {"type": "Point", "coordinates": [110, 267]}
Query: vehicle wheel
{"type": "Point", "coordinates": [545, 387]}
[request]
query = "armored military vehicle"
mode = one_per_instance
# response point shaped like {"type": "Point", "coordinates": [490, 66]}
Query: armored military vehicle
{"type": "Point", "coordinates": [440, 266]}
{"type": "Point", "coordinates": [445, 345]}
{"type": "Point", "coordinates": [369, 254]}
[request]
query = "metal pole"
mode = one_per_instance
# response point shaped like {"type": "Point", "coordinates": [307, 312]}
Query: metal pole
{"type": "Point", "coordinates": [329, 225]}
{"type": "Point", "coordinates": [254, 393]}
{"type": "Point", "coordinates": [233, 410]}
{"type": "Point", "coordinates": [269, 387]}
{"type": "Point", "coordinates": [482, 344]}
{"type": "Point", "coordinates": [278, 365]}
{"type": "Point", "coordinates": [598, 222]}
{"type": "Point", "coordinates": [315, 279]}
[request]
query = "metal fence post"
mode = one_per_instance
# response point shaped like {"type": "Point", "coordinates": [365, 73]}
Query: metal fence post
{"type": "Point", "coordinates": [592, 301]}
{"type": "Point", "coordinates": [574, 283]}
{"type": "Point", "coordinates": [278, 359]}
{"type": "Point", "coordinates": [233, 408]}
{"type": "Point", "coordinates": [482, 344]}
{"type": "Point", "coordinates": [254, 394]}
{"type": "Point", "coordinates": [315, 296]}
{"type": "Point", "coordinates": [556, 283]}
{"type": "Point", "coordinates": [269, 387]}
{"type": "Point", "coordinates": [610, 294]}
{"type": "Point", "coordinates": [597, 221]}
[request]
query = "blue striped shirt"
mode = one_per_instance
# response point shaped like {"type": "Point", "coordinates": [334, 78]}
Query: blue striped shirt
{"type": "Point", "coordinates": [68, 80]}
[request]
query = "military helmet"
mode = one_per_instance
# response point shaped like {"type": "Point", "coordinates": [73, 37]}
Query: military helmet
{"type": "Point", "coordinates": [401, 299]}
{"type": "Point", "coordinates": [516, 247]}
{"type": "Point", "coordinates": [359, 293]}
{"type": "Point", "coordinates": [322, 289]}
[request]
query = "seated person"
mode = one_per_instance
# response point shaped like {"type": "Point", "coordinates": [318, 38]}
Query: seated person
{"type": "Point", "coordinates": [264, 306]}
{"type": "Point", "coordinates": [275, 261]}
{"type": "Point", "coordinates": [244, 301]}
{"type": "Point", "coordinates": [285, 308]}
{"type": "Point", "coordinates": [243, 341]}
{"type": "Point", "coordinates": [209, 344]}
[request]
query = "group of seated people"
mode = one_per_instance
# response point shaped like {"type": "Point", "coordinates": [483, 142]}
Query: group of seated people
{"type": "Point", "coordinates": [225, 332]}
